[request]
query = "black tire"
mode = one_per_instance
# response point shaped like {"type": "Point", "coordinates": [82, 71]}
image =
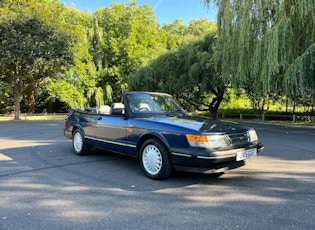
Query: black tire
{"type": "Point", "coordinates": [78, 143]}
{"type": "Point", "coordinates": [155, 160]}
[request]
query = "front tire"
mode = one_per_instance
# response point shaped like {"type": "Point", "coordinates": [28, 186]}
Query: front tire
{"type": "Point", "coordinates": [78, 143]}
{"type": "Point", "coordinates": [155, 160]}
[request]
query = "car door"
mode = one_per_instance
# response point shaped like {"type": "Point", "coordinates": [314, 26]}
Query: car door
{"type": "Point", "coordinates": [88, 122]}
{"type": "Point", "coordinates": [111, 133]}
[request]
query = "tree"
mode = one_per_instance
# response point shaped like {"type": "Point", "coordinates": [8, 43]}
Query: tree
{"type": "Point", "coordinates": [179, 34]}
{"type": "Point", "coordinates": [78, 86]}
{"type": "Point", "coordinates": [30, 47]}
{"type": "Point", "coordinates": [188, 74]}
{"type": "Point", "coordinates": [125, 36]}
{"type": "Point", "coordinates": [267, 47]}
{"type": "Point", "coordinates": [5, 96]}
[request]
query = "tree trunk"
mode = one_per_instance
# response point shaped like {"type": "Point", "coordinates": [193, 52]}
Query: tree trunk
{"type": "Point", "coordinates": [213, 113]}
{"type": "Point", "coordinates": [216, 101]}
{"type": "Point", "coordinates": [214, 106]}
{"type": "Point", "coordinates": [17, 105]}
{"type": "Point", "coordinates": [293, 109]}
{"type": "Point", "coordinates": [31, 101]}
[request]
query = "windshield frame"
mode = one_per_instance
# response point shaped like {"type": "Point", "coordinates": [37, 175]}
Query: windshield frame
{"type": "Point", "coordinates": [152, 103]}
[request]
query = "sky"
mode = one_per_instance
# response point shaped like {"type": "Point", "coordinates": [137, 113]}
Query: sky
{"type": "Point", "coordinates": [166, 11]}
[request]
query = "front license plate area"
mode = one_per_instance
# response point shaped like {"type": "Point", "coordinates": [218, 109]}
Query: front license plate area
{"type": "Point", "coordinates": [246, 154]}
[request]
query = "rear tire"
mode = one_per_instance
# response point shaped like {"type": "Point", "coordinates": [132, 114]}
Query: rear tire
{"type": "Point", "coordinates": [78, 143]}
{"type": "Point", "coordinates": [155, 160]}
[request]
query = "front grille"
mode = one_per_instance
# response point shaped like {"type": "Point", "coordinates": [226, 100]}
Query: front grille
{"type": "Point", "coordinates": [239, 139]}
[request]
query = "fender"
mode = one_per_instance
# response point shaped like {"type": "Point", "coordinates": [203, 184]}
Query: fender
{"type": "Point", "coordinates": [151, 134]}
{"type": "Point", "coordinates": [78, 126]}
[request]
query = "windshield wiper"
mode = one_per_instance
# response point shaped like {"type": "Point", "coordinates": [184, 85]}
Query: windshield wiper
{"type": "Point", "coordinates": [177, 112]}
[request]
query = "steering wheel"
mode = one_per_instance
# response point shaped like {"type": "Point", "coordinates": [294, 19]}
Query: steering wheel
{"type": "Point", "coordinates": [143, 109]}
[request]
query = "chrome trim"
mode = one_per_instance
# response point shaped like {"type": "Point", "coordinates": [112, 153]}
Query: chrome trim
{"type": "Point", "coordinates": [181, 154]}
{"type": "Point", "coordinates": [111, 142]}
{"type": "Point", "coordinates": [214, 158]}
{"type": "Point", "coordinates": [228, 138]}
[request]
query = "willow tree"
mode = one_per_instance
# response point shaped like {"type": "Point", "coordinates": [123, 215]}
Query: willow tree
{"type": "Point", "coordinates": [188, 74]}
{"type": "Point", "coordinates": [124, 37]}
{"type": "Point", "coordinates": [77, 87]}
{"type": "Point", "coordinates": [267, 46]}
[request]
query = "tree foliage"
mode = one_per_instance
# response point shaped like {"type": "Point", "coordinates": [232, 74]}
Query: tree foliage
{"type": "Point", "coordinates": [187, 73]}
{"type": "Point", "coordinates": [124, 36]}
{"type": "Point", "coordinates": [78, 86]}
{"type": "Point", "coordinates": [31, 48]}
{"type": "Point", "coordinates": [53, 54]}
{"type": "Point", "coordinates": [268, 47]}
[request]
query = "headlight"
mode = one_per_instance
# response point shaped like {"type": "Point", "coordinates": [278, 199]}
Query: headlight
{"type": "Point", "coordinates": [198, 141]}
{"type": "Point", "coordinates": [211, 141]}
{"type": "Point", "coordinates": [252, 135]}
{"type": "Point", "coordinates": [218, 141]}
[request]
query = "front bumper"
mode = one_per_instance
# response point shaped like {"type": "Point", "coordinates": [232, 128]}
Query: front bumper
{"type": "Point", "coordinates": [214, 168]}
{"type": "Point", "coordinates": [207, 161]}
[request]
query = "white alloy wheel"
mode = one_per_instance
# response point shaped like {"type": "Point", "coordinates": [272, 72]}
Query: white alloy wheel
{"type": "Point", "coordinates": [155, 160]}
{"type": "Point", "coordinates": [152, 159]}
{"type": "Point", "coordinates": [77, 142]}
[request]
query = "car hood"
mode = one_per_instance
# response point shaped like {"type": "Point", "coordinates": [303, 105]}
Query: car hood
{"type": "Point", "coordinates": [200, 124]}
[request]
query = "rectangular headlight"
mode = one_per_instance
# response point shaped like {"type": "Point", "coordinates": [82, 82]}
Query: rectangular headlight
{"type": "Point", "coordinates": [218, 141]}
{"type": "Point", "coordinates": [252, 135]}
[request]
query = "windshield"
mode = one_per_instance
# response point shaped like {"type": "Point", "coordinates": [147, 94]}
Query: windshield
{"type": "Point", "coordinates": [152, 103]}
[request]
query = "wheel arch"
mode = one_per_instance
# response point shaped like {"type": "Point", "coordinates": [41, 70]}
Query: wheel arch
{"type": "Point", "coordinates": [148, 136]}
{"type": "Point", "coordinates": [77, 126]}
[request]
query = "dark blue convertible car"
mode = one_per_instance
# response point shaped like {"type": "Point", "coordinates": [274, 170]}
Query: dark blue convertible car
{"type": "Point", "coordinates": [153, 128]}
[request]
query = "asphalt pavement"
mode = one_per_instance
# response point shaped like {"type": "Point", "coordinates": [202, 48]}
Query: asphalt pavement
{"type": "Point", "coordinates": [44, 185]}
